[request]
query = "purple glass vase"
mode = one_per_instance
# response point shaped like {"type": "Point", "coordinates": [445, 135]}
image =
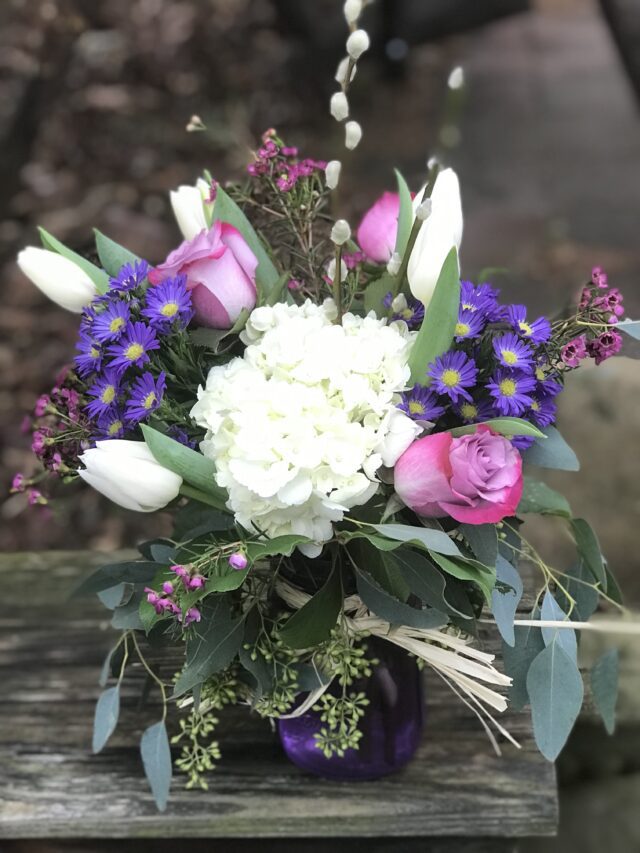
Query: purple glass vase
{"type": "Point", "coordinates": [391, 727]}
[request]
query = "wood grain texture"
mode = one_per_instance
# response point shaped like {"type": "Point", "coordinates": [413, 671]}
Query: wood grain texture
{"type": "Point", "coordinates": [51, 649]}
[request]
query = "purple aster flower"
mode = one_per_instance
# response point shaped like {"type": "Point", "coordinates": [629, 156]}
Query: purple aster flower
{"type": "Point", "coordinates": [168, 303]}
{"type": "Point", "coordinates": [90, 355]}
{"type": "Point", "coordinates": [129, 277]}
{"type": "Point", "coordinates": [452, 374]}
{"type": "Point", "coordinates": [412, 313]}
{"type": "Point", "coordinates": [181, 436]}
{"type": "Point", "coordinates": [145, 396]}
{"type": "Point", "coordinates": [470, 324]}
{"type": "Point", "coordinates": [133, 347]}
{"type": "Point", "coordinates": [482, 299]}
{"type": "Point", "coordinates": [542, 411]}
{"type": "Point", "coordinates": [548, 383]}
{"type": "Point", "coordinates": [109, 325]}
{"type": "Point", "coordinates": [512, 352]}
{"type": "Point", "coordinates": [105, 391]}
{"type": "Point", "coordinates": [111, 424]}
{"type": "Point", "coordinates": [604, 346]}
{"type": "Point", "coordinates": [522, 442]}
{"type": "Point", "coordinates": [539, 331]}
{"type": "Point", "coordinates": [421, 404]}
{"type": "Point", "coordinates": [574, 352]}
{"type": "Point", "coordinates": [475, 411]}
{"type": "Point", "coordinates": [511, 391]}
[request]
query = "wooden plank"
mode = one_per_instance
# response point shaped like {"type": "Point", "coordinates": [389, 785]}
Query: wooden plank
{"type": "Point", "coordinates": [51, 649]}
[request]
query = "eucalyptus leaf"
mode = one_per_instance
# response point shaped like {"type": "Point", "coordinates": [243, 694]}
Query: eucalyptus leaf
{"type": "Point", "coordinates": [405, 214]}
{"type": "Point", "coordinates": [112, 255]}
{"type": "Point", "coordinates": [589, 549]}
{"type": "Point", "coordinates": [505, 599]}
{"type": "Point", "coordinates": [631, 328]}
{"type": "Point", "coordinates": [272, 547]}
{"type": "Point", "coordinates": [467, 571]}
{"type": "Point", "coordinates": [439, 324]}
{"type": "Point", "coordinates": [434, 540]}
{"type": "Point", "coordinates": [313, 622]}
{"type": "Point", "coordinates": [517, 660]}
{"type": "Point", "coordinates": [156, 759]}
{"type": "Point", "coordinates": [552, 452]}
{"type": "Point", "coordinates": [112, 596]}
{"type": "Point", "coordinates": [136, 572]}
{"type": "Point", "coordinates": [483, 541]}
{"type": "Point", "coordinates": [579, 583]}
{"type": "Point", "coordinates": [127, 616]}
{"type": "Point", "coordinates": [106, 717]}
{"type": "Point", "coordinates": [504, 426]}
{"type": "Point", "coordinates": [538, 498]}
{"type": "Point", "coordinates": [555, 689]}
{"type": "Point", "coordinates": [604, 687]}
{"type": "Point", "coordinates": [392, 609]}
{"type": "Point", "coordinates": [565, 637]}
{"type": "Point", "coordinates": [98, 277]}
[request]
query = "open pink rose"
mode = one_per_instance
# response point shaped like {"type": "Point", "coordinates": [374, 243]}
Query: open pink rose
{"type": "Point", "coordinates": [476, 479]}
{"type": "Point", "coordinates": [379, 227]}
{"type": "Point", "coordinates": [221, 273]}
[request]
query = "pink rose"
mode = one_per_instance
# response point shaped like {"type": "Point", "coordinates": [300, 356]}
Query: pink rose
{"type": "Point", "coordinates": [379, 227]}
{"type": "Point", "coordinates": [221, 273]}
{"type": "Point", "coordinates": [476, 479]}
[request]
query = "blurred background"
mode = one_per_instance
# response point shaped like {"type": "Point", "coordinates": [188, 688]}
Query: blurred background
{"type": "Point", "coordinates": [94, 99]}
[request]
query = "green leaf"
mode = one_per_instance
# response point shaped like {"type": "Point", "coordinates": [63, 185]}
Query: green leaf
{"type": "Point", "coordinates": [405, 215]}
{"type": "Point", "coordinates": [538, 498]}
{"type": "Point", "coordinates": [504, 426]}
{"type": "Point", "coordinates": [156, 759]}
{"type": "Point", "coordinates": [192, 466]}
{"type": "Point", "coordinates": [429, 584]}
{"type": "Point", "coordinates": [439, 324]}
{"type": "Point", "coordinates": [315, 620]}
{"type": "Point", "coordinates": [376, 292]}
{"type": "Point", "coordinates": [565, 637]}
{"type": "Point", "coordinates": [279, 289]}
{"type": "Point", "coordinates": [279, 545]}
{"type": "Point", "coordinates": [434, 540]}
{"type": "Point", "coordinates": [227, 582]}
{"type": "Point", "coordinates": [127, 617]}
{"type": "Point", "coordinates": [613, 590]}
{"type": "Point", "coordinates": [106, 717]}
{"type": "Point", "coordinates": [505, 599]}
{"type": "Point", "coordinates": [589, 549]}
{"type": "Point", "coordinates": [579, 583]}
{"type": "Point", "coordinates": [112, 596]}
{"type": "Point", "coordinates": [97, 276]}
{"type": "Point", "coordinates": [604, 688]}
{"type": "Point", "coordinates": [213, 645]}
{"type": "Point", "coordinates": [484, 578]}
{"type": "Point", "coordinates": [194, 520]}
{"type": "Point", "coordinates": [137, 572]}
{"type": "Point", "coordinates": [631, 328]}
{"type": "Point", "coordinates": [552, 452]}
{"type": "Point", "coordinates": [379, 564]}
{"type": "Point", "coordinates": [392, 609]}
{"type": "Point", "coordinates": [517, 661]}
{"type": "Point", "coordinates": [555, 691]}
{"type": "Point", "coordinates": [483, 541]}
{"type": "Point", "coordinates": [226, 210]}
{"type": "Point", "coordinates": [112, 255]}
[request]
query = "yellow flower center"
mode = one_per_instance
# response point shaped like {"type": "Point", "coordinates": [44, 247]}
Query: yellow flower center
{"type": "Point", "coordinates": [451, 377]}
{"type": "Point", "coordinates": [535, 406]}
{"type": "Point", "coordinates": [116, 324]}
{"type": "Point", "coordinates": [95, 352]}
{"type": "Point", "coordinates": [469, 411]}
{"type": "Point", "coordinates": [115, 428]}
{"type": "Point", "coordinates": [133, 352]}
{"type": "Point", "coordinates": [169, 309]}
{"type": "Point", "coordinates": [525, 328]}
{"type": "Point", "coordinates": [108, 395]}
{"type": "Point", "coordinates": [540, 374]}
{"type": "Point", "coordinates": [468, 307]}
{"type": "Point", "coordinates": [416, 408]}
{"type": "Point", "coordinates": [508, 387]}
{"type": "Point", "coordinates": [149, 400]}
{"type": "Point", "coordinates": [509, 356]}
{"type": "Point", "coordinates": [462, 329]}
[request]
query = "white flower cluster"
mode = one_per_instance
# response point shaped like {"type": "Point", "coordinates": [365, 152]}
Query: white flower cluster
{"type": "Point", "coordinates": [300, 424]}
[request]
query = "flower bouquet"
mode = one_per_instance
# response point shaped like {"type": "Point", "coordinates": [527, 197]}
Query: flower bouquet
{"type": "Point", "coordinates": [339, 425]}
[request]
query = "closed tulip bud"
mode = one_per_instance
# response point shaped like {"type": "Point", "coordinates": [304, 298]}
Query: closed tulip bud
{"type": "Point", "coordinates": [57, 277]}
{"type": "Point", "coordinates": [332, 173]}
{"type": "Point", "coordinates": [339, 106]}
{"type": "Point", "coordinates": [352, 10]}
{"type": "Point", "coordinates": [127, 473]}
{"type": "Point", "coordinates": [438, 235]}
{"type": "Point", "coordinates": [352, 134]}
{"type": "Point", "coordinates": [357, 43]}
{"type": "Point", "coordinates": [342, 70]}
{"type": "Point", "coordinates": [340, 232]}
{"type": "Point", "coordinates": [189, 206]}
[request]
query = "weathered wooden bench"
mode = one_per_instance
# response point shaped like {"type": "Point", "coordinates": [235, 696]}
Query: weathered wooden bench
{"type": "Point", "coordinates": [455, 796]}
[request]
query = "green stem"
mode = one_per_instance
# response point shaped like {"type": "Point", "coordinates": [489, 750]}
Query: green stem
{"type": "Point", "coordinates": [337, 284]}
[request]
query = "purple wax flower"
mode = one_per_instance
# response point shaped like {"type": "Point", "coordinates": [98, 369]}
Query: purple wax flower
{"type": "Point", "coordinates": [511, 391]}
{"type": "Point", "coordinates": [145, 396]}
{"type": "Point", "coordinates": [452, 374]}
{"type": "Point", "coordinates": [512, 352]}
{"type": "Point", "coordinates": [109, 325]}
{"type": "Point", "coordinates": [167, 588]}
{"type": "Point", "coordinates": [610, 302]}
{"type": "Point", "coordinates": [421, 404]}
{"type": "Point", "coordinates": [192, 615]}
{"type": "Point", "coordinates": [41, 405]}
{"type": "Point", "coordinates": [538, 331]}
{"type": "Point", "coordinates": [169, 303]}
{"type": "Point", "coordinates": [134, 347]}
{"type": "Point", "coordinates": [599, 277]}
{"type": "Point", "coordinates": [238, 561]}
{"type": "Point", "coordinates": [574, 352]}
{"type": "Point", "coordinates": [607, 344]}
{"type": "Point", "coordinates": [129, 277]}
{"type": "Point", "coordinates": [18, 484]}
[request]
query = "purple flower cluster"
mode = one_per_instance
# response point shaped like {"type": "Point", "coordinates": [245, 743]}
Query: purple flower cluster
{"type": "Point", "coordinates": [119, 333]}
{"type": "Point", "coordinates": [281, 164]}
{"type": "Point", "coordinates": [412, 310]}
{"type": "Point", "coordinates": [600, 306]}
{"type": "Point", "coordinates": [165, 602]}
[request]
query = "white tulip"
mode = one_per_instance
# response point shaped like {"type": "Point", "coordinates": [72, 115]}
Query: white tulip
{"type": "Point", "coordinates": [127, 473]}
{"type": "Point", "coordinates": [189, 206]}
{"type": "Point", "coordinates": [438, 235]}
{"type": "Point", "coordinates": [57, 277]}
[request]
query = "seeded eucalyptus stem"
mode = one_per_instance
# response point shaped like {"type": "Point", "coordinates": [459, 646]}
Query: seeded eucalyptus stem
{"type": "Point", "coordinates": [413, 236]}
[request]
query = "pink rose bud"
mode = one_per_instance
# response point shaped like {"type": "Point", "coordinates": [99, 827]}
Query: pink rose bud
{"type": "Point", "coordinates": [379, 227]}
{"type": "Point", "coordinates": [476, 479]}
{"type": "Point", "coordinates": [221, 274]}
{"type": "Point", "coordinates": [238, 561]}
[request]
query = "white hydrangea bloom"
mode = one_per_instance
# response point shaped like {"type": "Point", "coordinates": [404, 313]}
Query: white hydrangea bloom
{"type": "Point", "coordinates": [300, 424]}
